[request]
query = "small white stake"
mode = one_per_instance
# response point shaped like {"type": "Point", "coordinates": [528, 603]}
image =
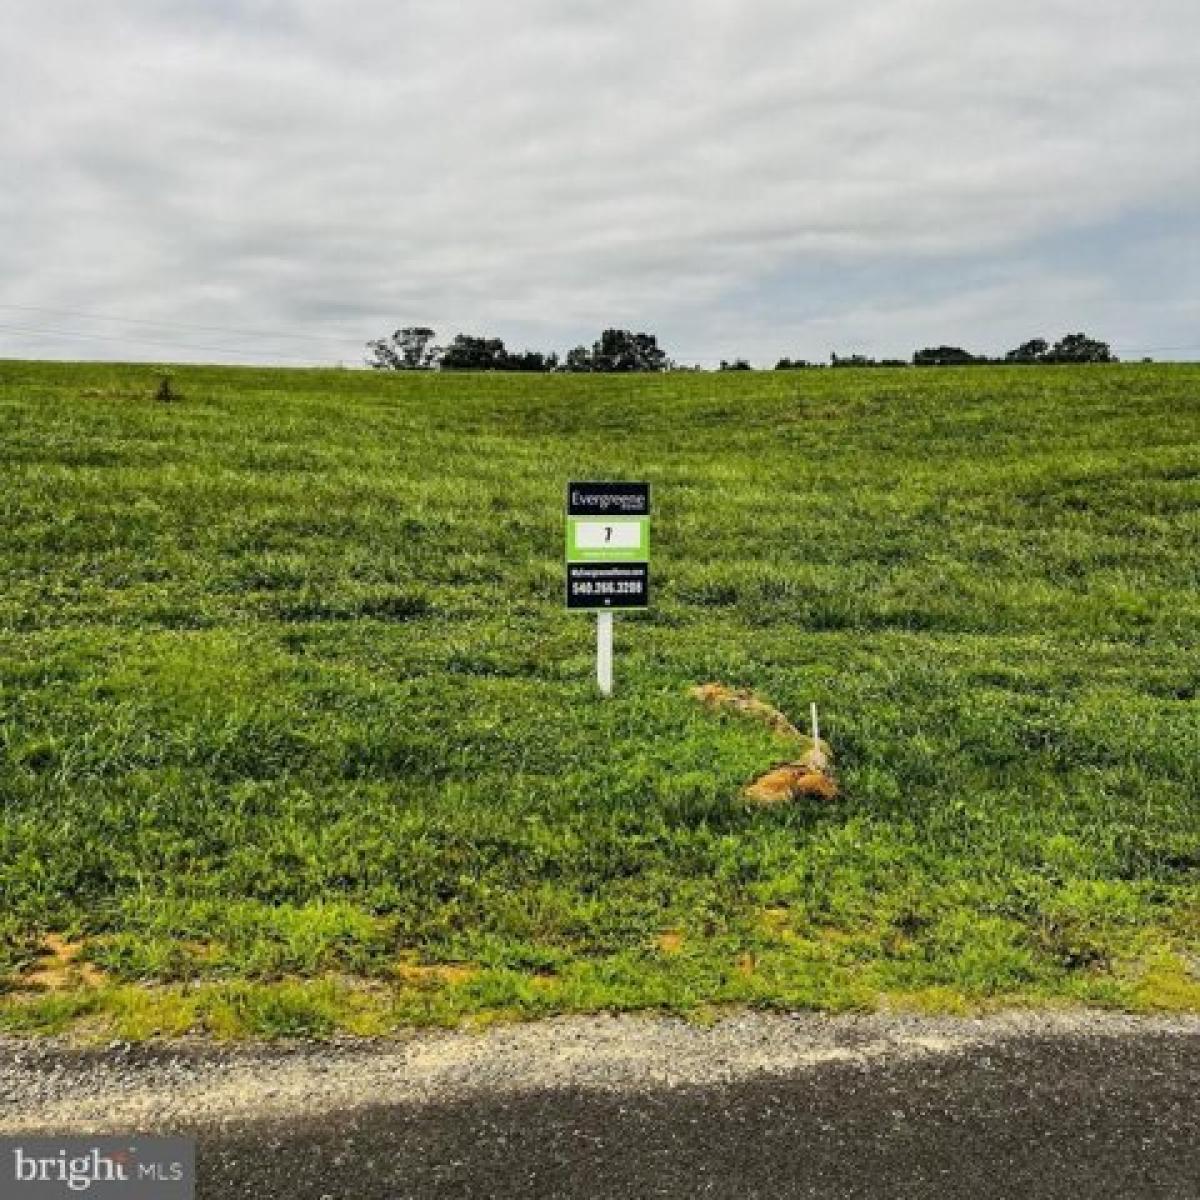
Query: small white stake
{"type": "Point", "coordinates": [604, 652]}
{"type": "Point", "coordinates": [815, 727]}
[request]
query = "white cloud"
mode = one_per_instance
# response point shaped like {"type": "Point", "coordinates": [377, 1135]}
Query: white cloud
{"type": "Point", "coordinates": [744, 176]}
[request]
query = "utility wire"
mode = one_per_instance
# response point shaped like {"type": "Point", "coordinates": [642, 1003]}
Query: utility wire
{"type": "Point", "coordinates": [343, 342]}
{"type": "Point", "coordinates": [139, 341]}
{"type": "Point", "coordinates": [267, 333]}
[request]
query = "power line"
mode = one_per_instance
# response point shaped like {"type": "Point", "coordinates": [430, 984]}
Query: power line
{"type": "Point", "coordinates": [138, 341]}
{"type": "Point", "coordinates": [92, 316]}
{"type": "Point", "coordinates": [142, 341]}
{"type": "Point", "coordinates": [343, 342]}
{"type": "Point", "coordinates": [267, 333]}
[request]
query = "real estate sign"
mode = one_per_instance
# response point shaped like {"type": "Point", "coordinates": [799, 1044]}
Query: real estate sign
{"type": "Point", "coordinates": [608, 545]}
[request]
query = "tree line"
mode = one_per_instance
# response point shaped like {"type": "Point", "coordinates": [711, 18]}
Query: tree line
{"type": "Point", "coordinates": [1073, 348]}
{"type": "Point", "coordinates": [414, 348]}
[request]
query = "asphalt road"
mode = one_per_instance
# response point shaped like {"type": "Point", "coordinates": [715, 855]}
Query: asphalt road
{"type": "Point", "coordinates": [1021, 1104]}
{"type": "Point", "coordinates": [1030, 1117]}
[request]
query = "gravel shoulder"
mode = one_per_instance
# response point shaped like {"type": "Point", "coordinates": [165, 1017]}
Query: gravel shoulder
{"type": "Point", "coordinates": [52, 1086]}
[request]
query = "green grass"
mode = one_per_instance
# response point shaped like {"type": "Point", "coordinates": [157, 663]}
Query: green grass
{"type": "Point", "coordinates": [288, 696]}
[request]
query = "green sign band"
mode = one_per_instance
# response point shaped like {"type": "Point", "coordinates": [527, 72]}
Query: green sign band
{"type": "Point", "coordinates": [608, 539]}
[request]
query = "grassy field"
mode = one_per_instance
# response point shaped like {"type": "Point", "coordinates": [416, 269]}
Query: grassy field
{"type": "Point", "coordinates": [296, 735]}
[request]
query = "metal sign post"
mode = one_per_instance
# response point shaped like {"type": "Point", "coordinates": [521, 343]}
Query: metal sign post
{"type": "Point", "coordinates": [608, 558]}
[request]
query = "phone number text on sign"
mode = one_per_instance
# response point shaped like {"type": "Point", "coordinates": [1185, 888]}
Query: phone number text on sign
{"type": "Point", "coordinates": [601, 585]}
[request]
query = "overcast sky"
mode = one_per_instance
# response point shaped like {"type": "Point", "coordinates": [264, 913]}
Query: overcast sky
{"type": "Point", "coordinates": [743, 177]}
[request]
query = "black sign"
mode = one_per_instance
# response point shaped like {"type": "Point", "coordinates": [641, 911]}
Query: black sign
{"type": "Point", "coordinates": [608, 585]}
{"type": "Point", "coordinates": [608, 499]}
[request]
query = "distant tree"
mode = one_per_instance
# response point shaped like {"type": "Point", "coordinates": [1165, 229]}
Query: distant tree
{"type": "Point", "coordinates": [794, 364]}
{"type": "Point", "coordinates": [1033, 351]}
{"type": "Point", "coordinates": [408, 349]}
{"type": "Point", "coordinates": [531, 360]}
{"type": "Point", "coordinates": [621, 350]}
{"type": "Point", "coordinates": [470, 353]}
{"type": "Point", "coordinates": [578, 360]}
{"type": "Point", "coordinates": [738, 364]}
{"type": "Point", "coordinates": [1079, 348]}
{"type": "Point", "coordinates": [861, 360]}
{"type": "Point", "coordinates": [945, 356]}
{"type": "Point", "coordinates": [1073, 348]}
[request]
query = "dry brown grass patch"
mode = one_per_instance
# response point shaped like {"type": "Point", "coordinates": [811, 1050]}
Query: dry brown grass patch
{"type": "Point", "coordinates": [670, 941]}
{"type": "Point", "coordinates": [61, 968]}
{"type": "Point", "coordinates": [810, 774]}
{"type": "Point", "coordinates": [430, 974]}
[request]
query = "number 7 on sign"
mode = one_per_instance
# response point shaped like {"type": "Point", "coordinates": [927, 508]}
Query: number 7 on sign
{"type": "Point", "coordinates": [609, 535]}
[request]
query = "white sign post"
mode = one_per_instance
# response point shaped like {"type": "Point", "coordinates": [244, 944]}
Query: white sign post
{"type": "Point", "coordinates": [604, 652]}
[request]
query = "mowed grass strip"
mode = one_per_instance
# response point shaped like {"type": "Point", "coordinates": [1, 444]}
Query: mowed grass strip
{"type": "Point", "coordinates": [294, 727]}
